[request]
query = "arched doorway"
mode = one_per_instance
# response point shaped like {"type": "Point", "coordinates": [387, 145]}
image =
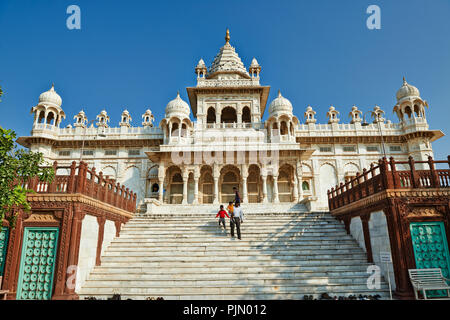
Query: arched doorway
{"type": "Point", "coordinates": [253, 184]}
{"type": "Point", "coordinates": [152, 183]}
{"type": "Point", "coordinates": [229, 178]}
{"type": "Point", "coordinates": [207, 184]}
{"type": "Point", "coordinates": [191, 188]}
{"type": "Point", "coordinates": [174, 185]}
{"type": "Point", "coordinates": [285, 183]}
{"type": "Point", "coordinates": [211, 115]}
{"type": "Point", "coordinates": [228, 115]}
{"type": "Point", "coordinates": [246, 115]}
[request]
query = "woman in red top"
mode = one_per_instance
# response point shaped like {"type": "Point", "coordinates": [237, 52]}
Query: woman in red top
{"type": "Point", "coordinates": [221, 214]}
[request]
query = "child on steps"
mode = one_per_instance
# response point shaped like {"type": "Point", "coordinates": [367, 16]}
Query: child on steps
{"type": "Point", "coordinates": [221, 214]}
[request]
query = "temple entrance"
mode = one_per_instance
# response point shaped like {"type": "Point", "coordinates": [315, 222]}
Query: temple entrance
{"type": "Point", "coordinates": [175, 186]}
{"type": "Point", "coordinates": [285, 186]}
{"type": "Point", "coordinates": [253, 184]}
{"type": "Point", "coordinates": [229, 178]}
{"type": "Point", "coordinates": [207, 185]}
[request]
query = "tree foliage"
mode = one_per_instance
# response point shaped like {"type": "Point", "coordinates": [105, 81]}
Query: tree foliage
{"type": "Point", "coordinates": [17, 166]}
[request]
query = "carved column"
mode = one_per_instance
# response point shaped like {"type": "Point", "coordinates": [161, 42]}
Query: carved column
{"type": "Point", "coordinates": [196, 178]}
{"type": "Point", "coordinates": [275, 189]}
{"type": "Point", "coordinates": [12, 263]}
{"type": "Point", "coordinates": [399, 249]}
{"type": "Point", "coordinates": [244, 183]}
{"type": "Point", "coordinates": [101, 231]}
{"type": "Point", "coordinates": [264, 187]}
{"type": "Point", "coordinates": [74, 246]}
{"type": "Point", "coordinates": [365, 226]}
{"type": "Point", "coordinates": [185, 185]}
{"type": "Point", "coordinates": [216, 174]}
{"type": "Point", "coordinates": [295, 190]}
{"type": "Point", "coordinates": [161, 173]}
{"type": "Point", "coordinates": [299, 173]}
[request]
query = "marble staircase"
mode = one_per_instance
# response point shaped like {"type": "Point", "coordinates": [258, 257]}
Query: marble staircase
{"type": "Point", "coordinates": [187, 256]}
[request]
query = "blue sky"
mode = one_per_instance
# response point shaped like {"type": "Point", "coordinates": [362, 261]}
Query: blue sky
{"type": "Point", "coordinates": [137, 54]}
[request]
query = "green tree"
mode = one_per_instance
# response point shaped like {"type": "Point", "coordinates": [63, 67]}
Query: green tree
{"type": "Point", "coordinates": [17, 166]}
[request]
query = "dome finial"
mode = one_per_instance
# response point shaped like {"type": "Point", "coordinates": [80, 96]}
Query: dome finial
{"type": "Point", "coordinates": [178, 93]}
{"type": "Point", "coordinates": [227, 36]}
{"type": "Point", "coordinates": [279, 93]}
{"type": "Point", "coordinates": [53, 86]}
{"type": "Point", "coordinates": [404, 80]}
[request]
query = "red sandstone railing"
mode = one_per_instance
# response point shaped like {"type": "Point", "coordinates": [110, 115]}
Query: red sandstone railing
{"type": "Point", "coordinates": [386, 176]}
{"type": "Point", "coordinates": [86, 181]}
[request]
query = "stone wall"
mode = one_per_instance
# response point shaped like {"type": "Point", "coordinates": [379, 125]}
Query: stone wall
{"type": "Point", "coordinates": [88, 250]}
{"type": "Point", "coordinates": [109, 234]}
{"type": "Point", "coordinates": [379, 239]}
{"type": "Point", "coordinates": [357, 232]}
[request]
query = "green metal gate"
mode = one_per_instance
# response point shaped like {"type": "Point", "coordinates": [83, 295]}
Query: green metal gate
{"type": "Point", "coordinates": [37, 264]}
{"type": "Point", "coordinates": [3, 246]}
{"type": "Point", "coordinates": [431, 249]}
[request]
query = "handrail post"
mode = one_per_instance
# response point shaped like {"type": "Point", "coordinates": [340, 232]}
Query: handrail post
{"type": "Point", "coordinates": [395, 176]}
{"type": "Point", "coordinates": [71, 183]}
{"type": "Point", "coordinates": [366, 184]}
{"type": "Point", "coordinates": [414, 179]}
{"type": "Point", "coordinates": [434, 175]}
{"type": "Point", "coordinates": [384, 170]}
{"type": "Point", "coordinates": [52, 185]}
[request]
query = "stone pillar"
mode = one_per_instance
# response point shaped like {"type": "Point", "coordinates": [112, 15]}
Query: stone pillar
{"type": "Point", "coordinates": [264, 187]}
{"type": "Point", "coordinates": [244, 190]}
{"type": "Point", "coordinates": [239, 117]}
{"type": "Point", "coordinates": [185, 186]}
{"type": "Point", "coordinates": [216, 190]}
{"type": "Point", "coordinates": [295, 191]}
{"type": "Point", "coordinates": [216, 175]}
{"type": "Point", "coordinates": [244, 172]}
{"type": "Point", "coordinates": [196, 178]}
{"type": "Point", "coordinates": [161, 173]}
{"type": "Point", "coordinates": [275, 189]}
{"type": "Point", "coordinates": [299, 173]}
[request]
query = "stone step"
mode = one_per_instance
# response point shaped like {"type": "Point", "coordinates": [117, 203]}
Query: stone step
{"type": "Point", "coordinates": [226, 239]}
{"type": "Point", "coordinates": [229, 258]}
{"type": "Point", "coordinates": [215, 226]}
{"type": "Point", "coordinates": [142, 252]}
{"type": "Point", "coordinates": [227, 290]}
{"type": "Point", "coordinates": [99, 275]}
{"type": "Point", "coordinates": [132, 269]}
{"type": "Point", "coordinates": [219, 281]}
{"type": "Point", "coordinates": [116, 246]}
{"type": "Point", "coordinates": [232, 243]}
{"type": "Point", "coordinates": [248, 296]}
{"type": "Point", "coordinates": [207, 264]}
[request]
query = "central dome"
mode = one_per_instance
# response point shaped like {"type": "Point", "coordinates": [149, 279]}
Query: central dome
{"type": "Point", "coordinates": [177, 106]}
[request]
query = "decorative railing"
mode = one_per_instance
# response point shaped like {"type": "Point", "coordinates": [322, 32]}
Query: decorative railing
{"type": "Point", "coordinates": [86, 181]}
{"type": "Point", "coordinates": [386, 176]}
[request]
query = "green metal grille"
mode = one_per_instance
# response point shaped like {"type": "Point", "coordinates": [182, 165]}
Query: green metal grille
{"type": "Point", "coordinates": [431, 249]}
{"type": "Point", "coordinates": [3, 246]}
{"type": "Point", "coordinates": [37, 264]}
